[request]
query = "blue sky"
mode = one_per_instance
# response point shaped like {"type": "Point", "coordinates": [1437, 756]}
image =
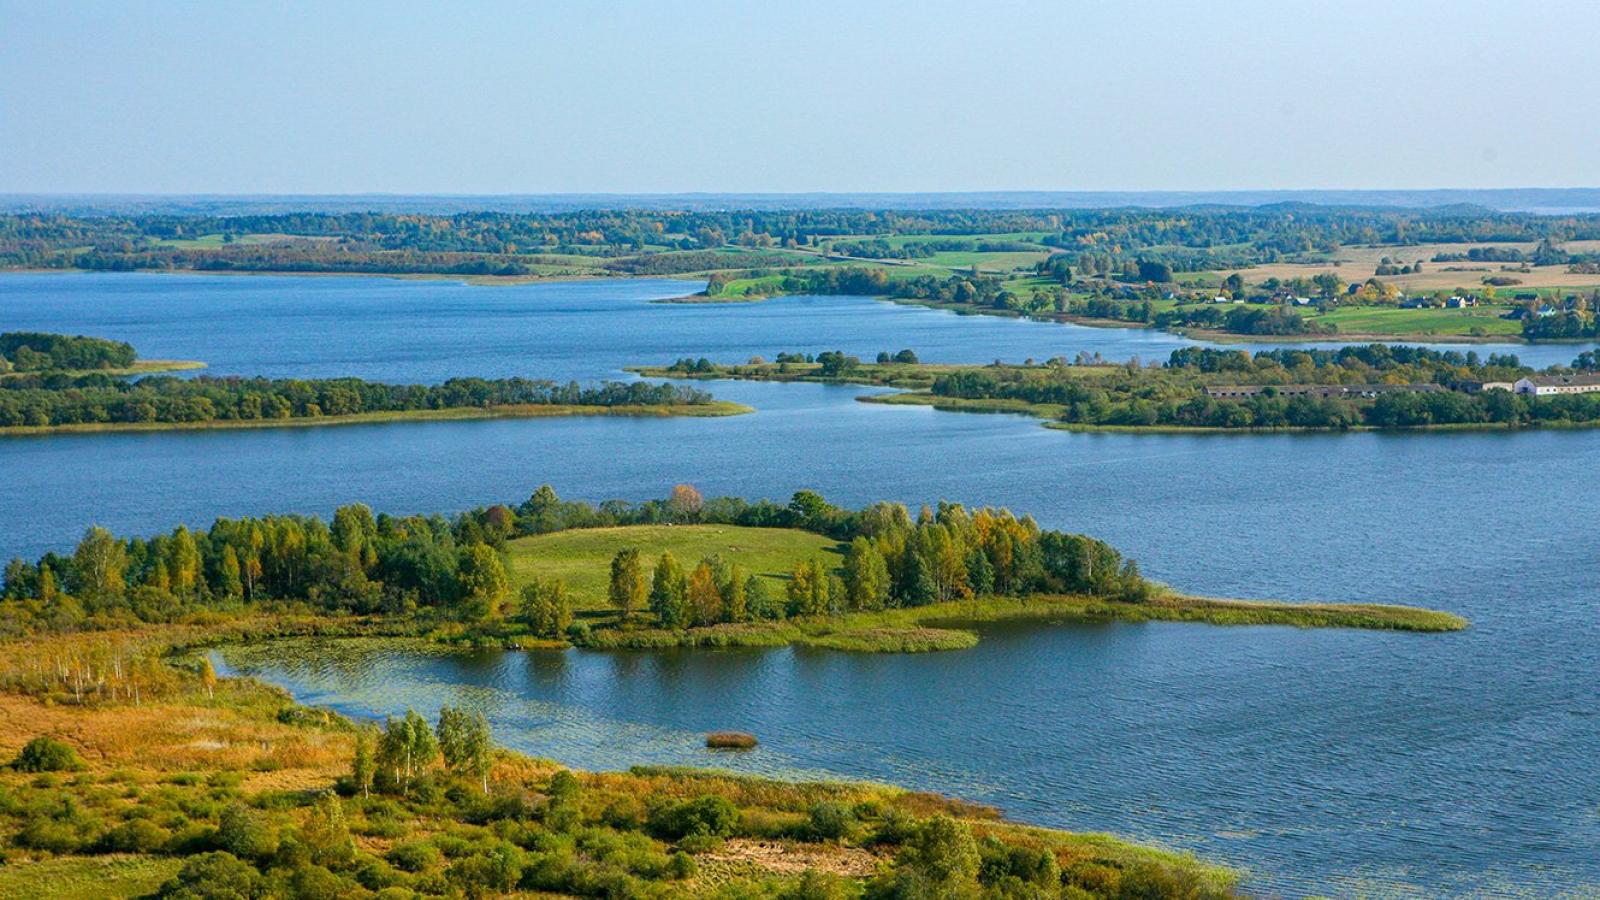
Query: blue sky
{"type": "Point", "coordinates": [346, 97]}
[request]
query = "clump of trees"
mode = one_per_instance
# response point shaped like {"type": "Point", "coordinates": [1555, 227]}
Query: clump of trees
{"type": "Point", "coordinates": [30, 351]}
{"type": "Point", "coordinates": [892, 561]}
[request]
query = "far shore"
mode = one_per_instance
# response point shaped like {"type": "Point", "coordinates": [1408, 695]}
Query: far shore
{"type": "Point", "coordinates": [530, 411]}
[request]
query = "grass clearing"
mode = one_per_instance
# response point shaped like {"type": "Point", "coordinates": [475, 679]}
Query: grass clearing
{"type": "Point", "coordinates": [582, 558]}
{"type": "Point", "coordinates": [87, 877]}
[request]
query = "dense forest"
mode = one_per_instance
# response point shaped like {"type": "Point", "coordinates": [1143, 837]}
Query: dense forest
{"type": "Point", "coordinates": [30, 351]}
{"type": "Point", "coordinates": [57, 399]}
{"type": "Point", "coordinates": [451, 569]}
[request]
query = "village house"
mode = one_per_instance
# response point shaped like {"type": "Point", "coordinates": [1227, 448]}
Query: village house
{"type": "Point", "coordinates": [1551, 385]}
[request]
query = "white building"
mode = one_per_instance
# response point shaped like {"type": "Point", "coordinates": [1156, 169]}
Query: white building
{"type": "Point", "coordinates": [1550, 385]}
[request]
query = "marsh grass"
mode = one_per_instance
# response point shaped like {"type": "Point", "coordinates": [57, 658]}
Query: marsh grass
{"type": "Point", "coordinates": [162, 775]}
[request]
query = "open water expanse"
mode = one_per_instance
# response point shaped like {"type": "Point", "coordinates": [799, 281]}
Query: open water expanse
{"type": "Point", "coordinates": [1340, 762]}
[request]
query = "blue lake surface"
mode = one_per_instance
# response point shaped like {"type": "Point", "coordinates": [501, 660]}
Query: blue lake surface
{"type": "Point", "coordinates": [1343, 762]}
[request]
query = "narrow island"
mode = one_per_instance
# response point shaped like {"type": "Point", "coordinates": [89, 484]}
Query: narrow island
{"type": "Point", "coordinates": [136, 769]}
{"type": "Point", "coordinates": [77, 384]}
{"type": "Point", "coordinates": [1353, 388]}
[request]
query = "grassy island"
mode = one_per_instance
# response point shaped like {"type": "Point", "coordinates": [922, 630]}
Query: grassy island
{"type": "Point", "coordinates": [1376, 386]}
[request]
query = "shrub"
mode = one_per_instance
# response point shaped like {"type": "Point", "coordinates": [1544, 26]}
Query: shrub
{"type": "Point", "coordinates": [214, 875]}
{"type": "Point", "coordinates": [46, 754]}
{"type": "Point", "coordinates": [815, 885]}
{"type": "Point", "coordinates": [135, 836]}
{"type": "Point", "coordinates": [241, 833]}
{"type": "Point", "coordinates": [415, 857]}
{"type": "Point", "coordinates": [829, 821]}
{"type": "Point", "coordinates": [707, 816]}
{"type": "Point", "coordinates": [681, 866]}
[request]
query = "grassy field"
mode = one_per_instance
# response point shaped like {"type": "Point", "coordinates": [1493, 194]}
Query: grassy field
{"type": "Point", "coordinates": [88, 877]}
{"type": "Point", "coordinates": [582, 558]}
{"type": "Point", "coordinates": [532, 411]}
{"type": "Point", "coordinates": [1479, 321]}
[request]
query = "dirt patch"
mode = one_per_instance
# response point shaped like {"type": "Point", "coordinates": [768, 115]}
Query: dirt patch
{"type": "Point", "coordinates": [784, 858]}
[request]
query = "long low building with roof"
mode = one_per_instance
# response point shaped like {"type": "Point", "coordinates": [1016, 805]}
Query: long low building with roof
{"type": "Point", "coordinates": [1551, 385]}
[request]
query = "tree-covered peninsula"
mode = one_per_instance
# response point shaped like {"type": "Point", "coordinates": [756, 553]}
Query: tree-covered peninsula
{"type": "Point", "coordinates": [1377, 386]}
{"type": "Point", "coordinates": [76, 384]}
{"type": "Point", "coordinates": [750, 573]}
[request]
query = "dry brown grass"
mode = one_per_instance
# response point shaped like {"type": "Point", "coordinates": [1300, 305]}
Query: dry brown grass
{"type": "Point", "coordinates": [175, 736]}
{"type": "Point", "coordinates": [794, 858]}
{"type": "Point", "coordinates": [1357, 264]}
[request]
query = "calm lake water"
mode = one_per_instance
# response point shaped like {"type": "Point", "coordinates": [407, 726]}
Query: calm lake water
{"type": "Point", "coordinates": [1337, 761]}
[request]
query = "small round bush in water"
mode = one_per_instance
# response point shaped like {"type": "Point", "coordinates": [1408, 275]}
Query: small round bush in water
{"type": "Point", "coordinates": [46, 754]}
{"type": "Point", "coordinates": [730, 740]}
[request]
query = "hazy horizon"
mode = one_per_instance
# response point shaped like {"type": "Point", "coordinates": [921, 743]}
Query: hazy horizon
{"type": "Point", "coordinates": [623, 97]}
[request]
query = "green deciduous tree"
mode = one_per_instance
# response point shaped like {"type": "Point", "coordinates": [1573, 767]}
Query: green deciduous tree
{"type": "Point", "coordinates": [483, 583]}
{"type": "Point", "coordinates": [628, 591]}
{"type": "Point", "coordinates": [669, 593]}
{"type": "Point", "coordinates": [866, 576]}
{"type": "Point", "coordinates": [546, 607]}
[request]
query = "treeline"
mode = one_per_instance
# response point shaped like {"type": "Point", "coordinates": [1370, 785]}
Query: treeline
{"type": "Point", "coordinates": [951, 554]}
{"type": "Point", "coordinates": [451, 569]}
{"type": "Point", "coordinates": [1239, 319]}
{"type": "Point", "coordinates": [31, 351]}
{"type": "Point", "coordinates": [1569, 324]}
{"type": "Point", "coordinates": [1175, 395]}
{"type": "Point", "coordinates": [496, 243]}
{"type": "Point", "coordinates": [51, 400]}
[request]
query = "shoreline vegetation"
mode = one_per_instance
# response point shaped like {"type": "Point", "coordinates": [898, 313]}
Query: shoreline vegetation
{"type": "Point", "coordinates": [135, 770]}
{"type": "Point", "coordinates": [1200, 390]}
{"type": "Point", "coordinates": [709, 409]}
{"type": "Point", "coordinates": [1303, 273]}
{"type": "Point", "coordinates": [55, 384]}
